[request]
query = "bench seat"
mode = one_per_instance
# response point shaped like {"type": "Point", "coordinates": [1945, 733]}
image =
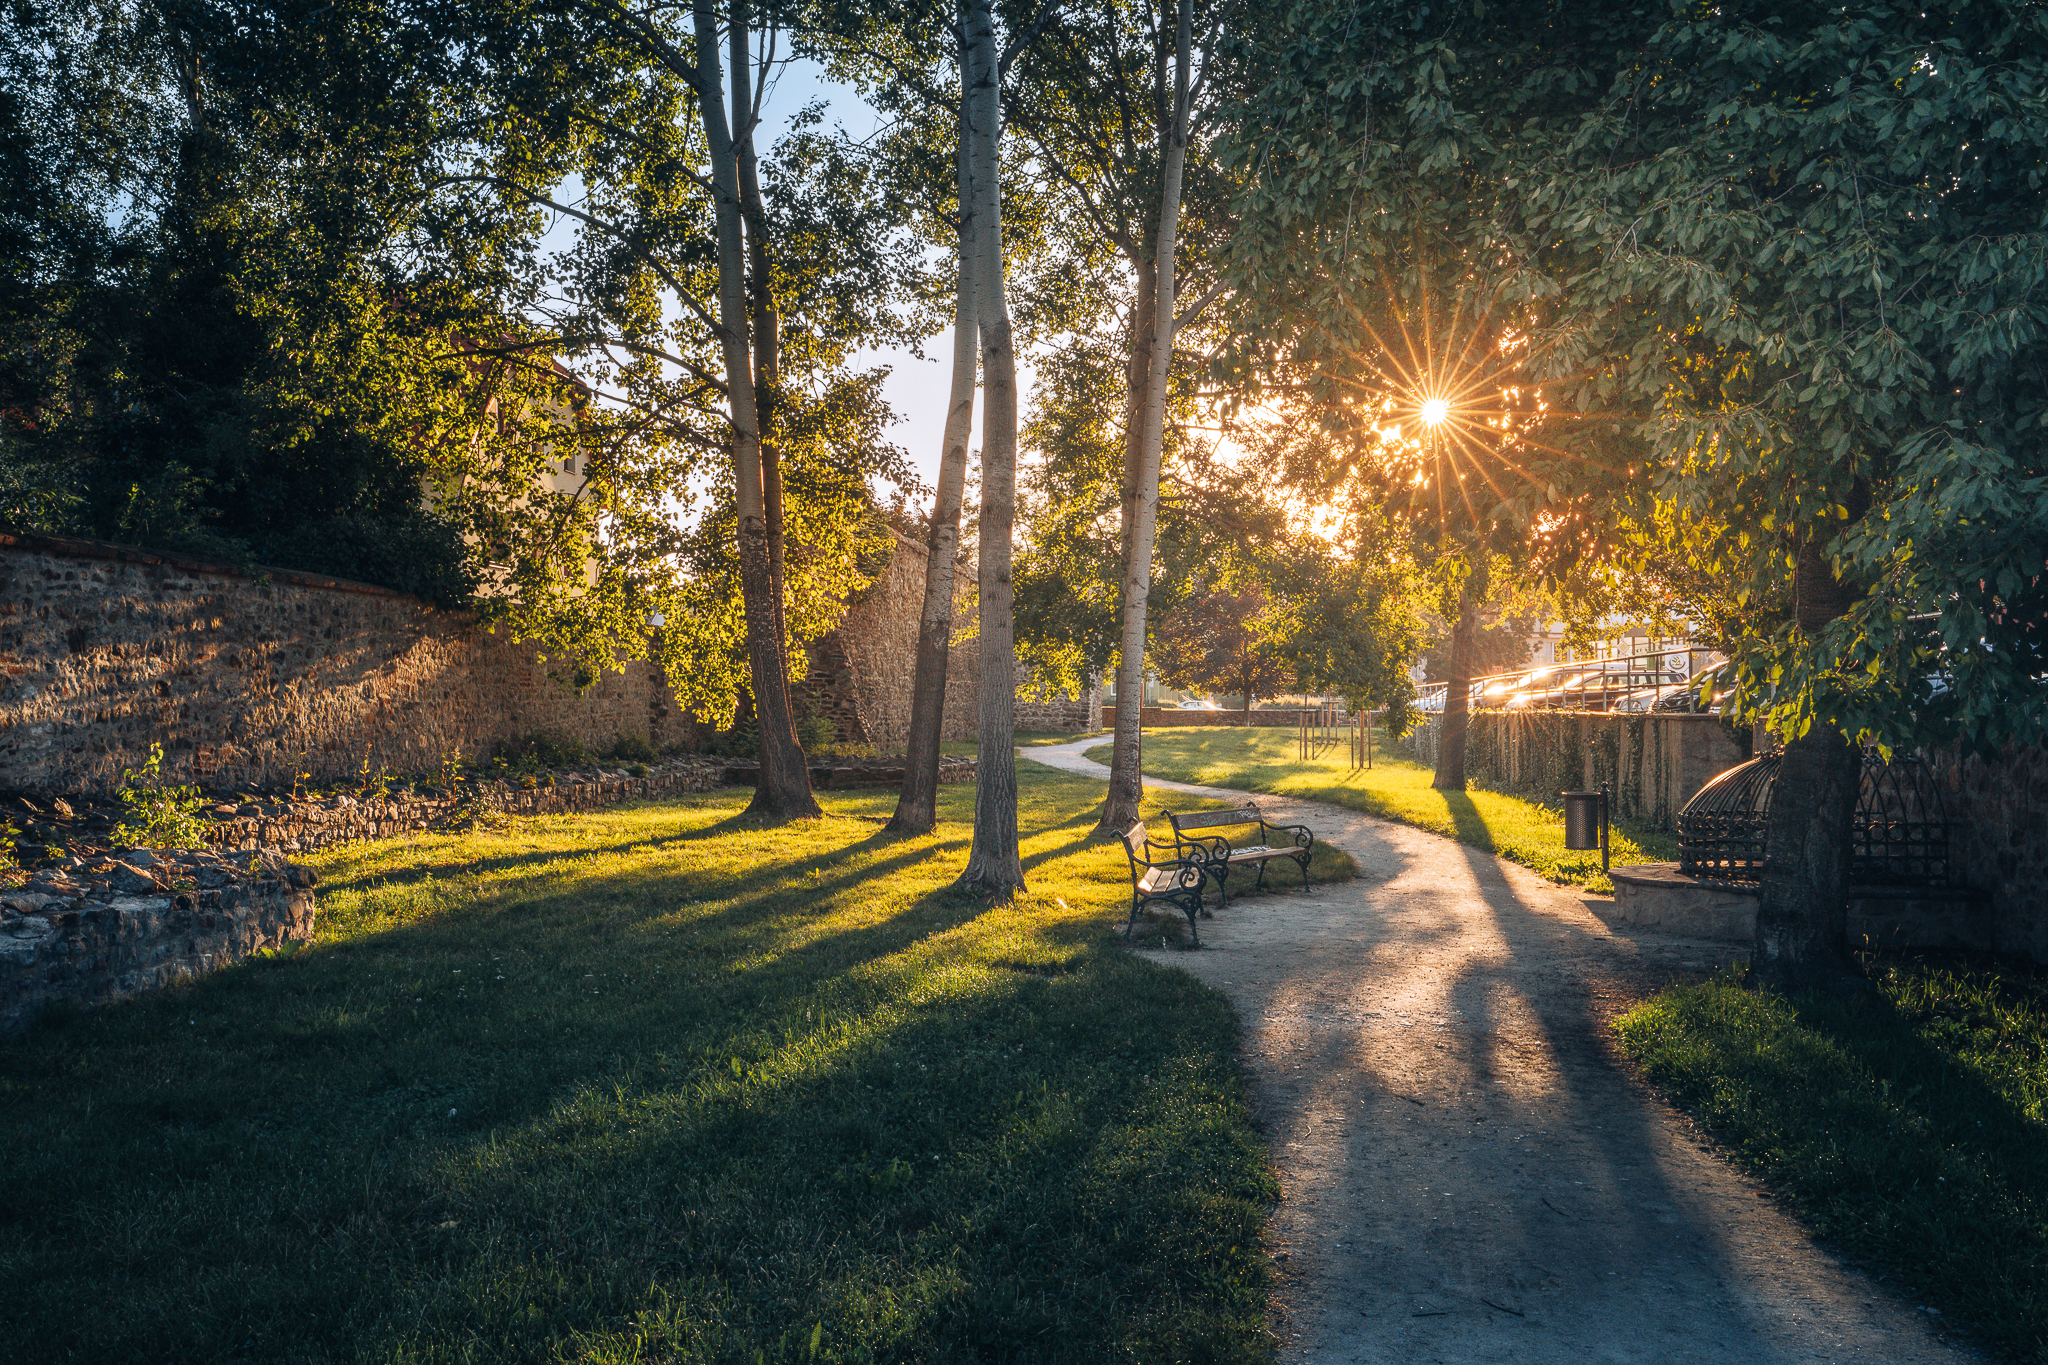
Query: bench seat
{"type": "Point", "coordinates": [1218, 855]}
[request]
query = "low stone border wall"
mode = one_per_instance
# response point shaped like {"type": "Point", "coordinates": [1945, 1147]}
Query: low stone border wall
{"type": "Point", "coordinates": [102, 924]}
{"type": "Point", "coordinates": [1157, 717]}
{"type": "Point", "coordinates": [90, 943]}
{"type": "Point", "coordinates": [1658, 896]}
{"type": "Point", "coordinates": [300, 826]}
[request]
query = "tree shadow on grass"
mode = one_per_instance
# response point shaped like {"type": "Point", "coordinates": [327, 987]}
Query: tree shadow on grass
{"type": "Point", "coordinates": [1890, 1145]}
{"type": "Point", "coordinates": [1470, 826]}
{"type": "Point", "coordinates": [388, 1152]}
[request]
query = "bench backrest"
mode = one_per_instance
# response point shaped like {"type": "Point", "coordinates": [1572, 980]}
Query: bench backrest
{"type": "Point", "coordinates": [1212, 819]}
{"type": "Point", "coordinates": [1134, 841]}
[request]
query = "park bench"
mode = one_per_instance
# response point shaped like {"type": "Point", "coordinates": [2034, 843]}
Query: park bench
{"type": "Point", "coordinates": [1219, 855]}
{"type": "Point", "coordinates": [1176, 880]}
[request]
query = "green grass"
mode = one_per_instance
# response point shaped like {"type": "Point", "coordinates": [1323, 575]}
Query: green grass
{"type": "Point", "coordinates": [657, 1084]}
{"type": "Point", "coordinates": [1910, 1129]}
{"type": "Point", "coordinates": [1033, 741]}
{"type": "Point", "coordinates": [1395, 788]}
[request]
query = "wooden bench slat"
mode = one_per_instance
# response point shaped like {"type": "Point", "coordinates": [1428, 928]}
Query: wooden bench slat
{"type": "Point", "coordinates": [1176, 880]}
{"type": "Point", "coordinates": [1208, 819]}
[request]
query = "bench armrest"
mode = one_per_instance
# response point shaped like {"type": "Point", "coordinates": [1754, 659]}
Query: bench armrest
{"type": "Point", "coordinates": [1299, 835]}
{"type": "Point", "coordinates": [1207, 847]}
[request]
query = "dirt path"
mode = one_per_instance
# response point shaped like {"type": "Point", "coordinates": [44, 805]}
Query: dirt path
{"type": "Point", "coordinates": [1468, 1173]}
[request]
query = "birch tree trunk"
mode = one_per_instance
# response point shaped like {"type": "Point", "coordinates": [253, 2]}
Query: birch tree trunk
{"type": "Point", "coordinates": [762, 316]}
{"type": "Point", "coordinates": [1126, 780]}
{"type": "Point", "coordinates": [1457, 721]}
{"type": "Point", "coordinates": [917, 806]}
{"type": "Point", "coordinates": [784, 786]}
{"type": "Point", "coordinates": [994, 866]}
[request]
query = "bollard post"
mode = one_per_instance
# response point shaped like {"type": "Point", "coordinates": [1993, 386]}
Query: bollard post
{"type": "Point", "coordinates": [1604, 798]}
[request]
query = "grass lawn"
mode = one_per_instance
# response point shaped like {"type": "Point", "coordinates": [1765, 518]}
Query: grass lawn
{"type": "Point", "coordinates": [656, 1084]}
{"type": "Point", "coordinates": [1911, 1130]}
{"type": "Point", "coordinates": [1396, 788]}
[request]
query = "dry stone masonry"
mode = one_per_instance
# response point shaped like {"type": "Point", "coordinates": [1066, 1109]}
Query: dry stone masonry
{"type": "Point", "coordinates": [246, 681]}
{"type": "Point", "coordinates": [250, 680]}
{"type": "Point", "coordinates": [90, 934]}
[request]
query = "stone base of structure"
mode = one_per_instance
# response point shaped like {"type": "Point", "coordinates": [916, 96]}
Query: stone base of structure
{"type": "Point", "coordinates": [1658, 896]}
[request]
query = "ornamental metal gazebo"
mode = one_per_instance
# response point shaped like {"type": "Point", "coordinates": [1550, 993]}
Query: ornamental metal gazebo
{"type": "Point", "coordinates": [1900, 838]}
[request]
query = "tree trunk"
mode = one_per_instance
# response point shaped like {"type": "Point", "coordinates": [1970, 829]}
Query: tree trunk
{"type": "Point", "coordinates": [994, 865]}
{"type": "Point", "coordinates": [784, 789]}
{"type": "Point", "coordinates": [1141, 494]}
{"type": "Point", "coordinates": [1126, 760]}
{"type": "Point", "coordinates": [1450, 751]}
{"type": "Point", "coordinates": [1802, 912]}
{"type": "Point", "coordinates": [762, 316]}
{"type": "Point", "coordinates": [917, 806]}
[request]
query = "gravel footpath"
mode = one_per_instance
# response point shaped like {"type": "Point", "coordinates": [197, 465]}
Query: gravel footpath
{"type": "Point", "coordinates": [1469, 1173]}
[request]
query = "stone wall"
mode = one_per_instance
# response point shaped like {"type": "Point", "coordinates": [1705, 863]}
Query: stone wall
{"type": "Point", "coordinates": [1654, 763]}
{"type": "Point", "coordinates": [861, 673]}
{"type": "Point", "coordinates": [1043, 710]}
{"type": "Point", "coordinates": [316, 822]}
{"type": "Point", "coordinates": [1998, 812]}
{"type": "Point", "coordinates": [247, 681]}
{"type": "Point", "coordinates": [92, 950]}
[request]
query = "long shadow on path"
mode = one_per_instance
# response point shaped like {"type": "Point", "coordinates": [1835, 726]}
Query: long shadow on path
{"type": "Point", "coordinates": [1470, 1174]}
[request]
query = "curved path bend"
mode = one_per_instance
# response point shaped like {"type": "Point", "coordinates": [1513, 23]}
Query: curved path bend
{"type": "Point", "coordinates": [1468, 1172]}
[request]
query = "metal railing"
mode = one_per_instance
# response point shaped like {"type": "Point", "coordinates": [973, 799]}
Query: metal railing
{"type": "Point", "coordinates": [1587, 685]}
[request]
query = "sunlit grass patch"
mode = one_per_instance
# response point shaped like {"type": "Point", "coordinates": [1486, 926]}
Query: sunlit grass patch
{"type": "Point", "coordinates": [655, 1084]}
{"type": "Point", "coordinates": [1394, 788]}
{"type": "Point", "coordinates": [1908, 1129]}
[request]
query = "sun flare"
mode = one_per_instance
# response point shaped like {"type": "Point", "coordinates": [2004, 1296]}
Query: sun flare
{"type": "Point", "coordinates": [1435, 411]}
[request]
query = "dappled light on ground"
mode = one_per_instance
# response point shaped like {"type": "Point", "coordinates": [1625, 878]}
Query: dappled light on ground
{"type": "Point", "coordinates": [1266, 759]}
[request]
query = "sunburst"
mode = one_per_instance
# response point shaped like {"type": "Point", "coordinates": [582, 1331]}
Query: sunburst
{"type": "Point", "coordinates": [1451, 397]}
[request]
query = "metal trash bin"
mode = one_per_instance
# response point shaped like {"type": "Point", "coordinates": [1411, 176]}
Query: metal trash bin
{"type": "Point", "coordinates": [1585, 822]}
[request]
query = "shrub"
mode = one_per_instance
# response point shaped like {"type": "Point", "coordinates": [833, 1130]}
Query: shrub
{"type": "Point", "coordinates": [815, 733]}
{"type": "Point", "coordinates": [536, 750]}
{"type": "Point", "coordinates": [156, 813]}
{"type": "Point", "coordinates": [630, 749]}
{"type": "Point", "coordinates": [740, 743]}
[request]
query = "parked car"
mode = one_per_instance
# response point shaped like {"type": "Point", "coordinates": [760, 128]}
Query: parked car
{"type": "Point", "coordinates": [1651, 698]}
{"type": "Point", "coordinates": [1685, 699]}
{"type": "Point", "coordinates": [1604, 684]}
{"type": "Point", "coordinates": [1545, 686]}
{"type": "Point", "coordinates": [1433, 694]}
